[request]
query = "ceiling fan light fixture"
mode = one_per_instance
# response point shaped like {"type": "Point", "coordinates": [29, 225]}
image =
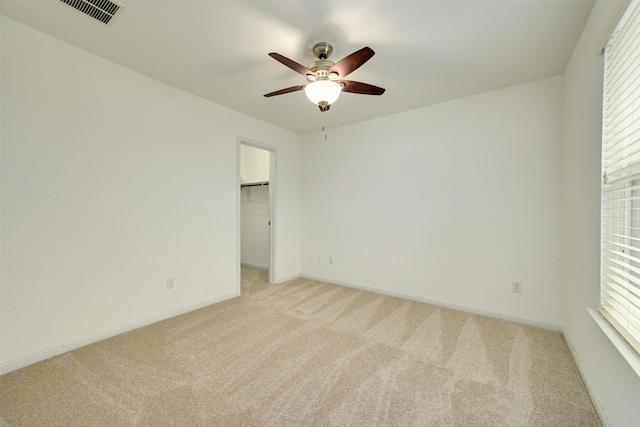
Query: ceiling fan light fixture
{"type": "Point", "coordinates": [325, 78]}
{"type": "Point", "coordinates": [324, 92]}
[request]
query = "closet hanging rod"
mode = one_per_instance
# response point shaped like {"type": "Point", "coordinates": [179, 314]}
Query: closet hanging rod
{"type": "Point", "coordinates": [254, 184]}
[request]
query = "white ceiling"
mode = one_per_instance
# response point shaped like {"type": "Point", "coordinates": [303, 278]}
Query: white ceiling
{"type": "Point", "coordinates": [426, 51]}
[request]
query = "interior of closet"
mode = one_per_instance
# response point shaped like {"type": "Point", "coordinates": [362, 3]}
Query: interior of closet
{"type": "Point", "coordinates": [255, 214]}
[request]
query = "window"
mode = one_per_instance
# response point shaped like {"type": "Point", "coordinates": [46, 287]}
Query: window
{"type": "Point", "coordinates": [620, 269]}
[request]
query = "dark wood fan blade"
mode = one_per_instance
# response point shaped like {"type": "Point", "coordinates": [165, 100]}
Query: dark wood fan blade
{"type": "Point", "coordinates": [291, 64]}
{"type": "Point", "coordinates": [362, 88]}
{"type": "Point", "coordinates": [287, 90]}
{"type": "Point", "coordinates": [352, 62]}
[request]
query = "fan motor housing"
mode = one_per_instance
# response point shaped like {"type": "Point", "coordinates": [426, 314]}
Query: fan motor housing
{"type": "Point", "coordinates": [321, 67]}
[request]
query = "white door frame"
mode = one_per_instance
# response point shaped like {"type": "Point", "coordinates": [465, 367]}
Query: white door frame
{"type": "Point", "coordinates": [273, 187]}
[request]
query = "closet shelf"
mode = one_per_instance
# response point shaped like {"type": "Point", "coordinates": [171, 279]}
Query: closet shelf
{"type": "Point", "coordinates": [254, 184]}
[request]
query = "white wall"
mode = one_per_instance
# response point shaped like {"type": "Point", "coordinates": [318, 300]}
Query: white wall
{"type": "Point", "coordinates": [111, 183]}
{"type": "Point", "coordinates": [615, 386]}
{"type": "Point", "coordinates": [449, 203]}
{"type": "Point", "coordinates": [254, 164]}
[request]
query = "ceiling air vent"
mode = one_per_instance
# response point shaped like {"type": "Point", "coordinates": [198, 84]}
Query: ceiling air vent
{"type": "Point", "coordinates": [102, 10]}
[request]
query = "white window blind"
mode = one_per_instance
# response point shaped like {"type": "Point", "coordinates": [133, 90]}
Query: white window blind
{"type": "Point", "coordinates": [620, 287]}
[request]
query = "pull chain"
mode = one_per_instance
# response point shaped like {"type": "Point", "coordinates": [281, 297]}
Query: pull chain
{"type": "Point", "coordinates": [324, 129]}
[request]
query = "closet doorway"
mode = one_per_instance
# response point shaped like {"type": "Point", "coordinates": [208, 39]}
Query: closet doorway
{"type": "Point", "coordinates": [257, 191]}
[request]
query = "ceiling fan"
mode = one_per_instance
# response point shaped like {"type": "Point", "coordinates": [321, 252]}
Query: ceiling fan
{"type": "Point", "coordinates": [325, 78]}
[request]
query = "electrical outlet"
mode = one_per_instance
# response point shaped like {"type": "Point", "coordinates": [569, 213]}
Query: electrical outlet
{"type": "Point", "coordinates": [319, 260]}
{"type": "Point", "coordinates": [330, 260]}
{"type": "Point", "coordinates": [170, 283]}
{"type": "Point", "coordinates": [516, 287]}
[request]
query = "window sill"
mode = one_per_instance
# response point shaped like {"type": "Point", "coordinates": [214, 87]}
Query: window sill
{"type": "Point", "coordinates": [627, 352]}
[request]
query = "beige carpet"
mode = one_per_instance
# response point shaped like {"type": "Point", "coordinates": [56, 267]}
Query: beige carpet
{"type": "Point", "coordinates": [306, 353]}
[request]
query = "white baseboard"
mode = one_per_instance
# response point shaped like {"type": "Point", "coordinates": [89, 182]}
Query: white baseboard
{"type": "Point", "coordinates": [590, 390]}
{"type": "Point", "coordinates": [279, 279]}
{"type": "Point", "coordinates": [21, 362]}
{"type": "Point", "coordinates": [530, 322]}
{"type": "Point", "coordinates": [250, 264]}
{"type": "Point", "coordinates": [287, 278]}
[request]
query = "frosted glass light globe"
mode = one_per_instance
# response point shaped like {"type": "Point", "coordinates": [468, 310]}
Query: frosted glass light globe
{"type": "Point", "coordinates": [323, 91]}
